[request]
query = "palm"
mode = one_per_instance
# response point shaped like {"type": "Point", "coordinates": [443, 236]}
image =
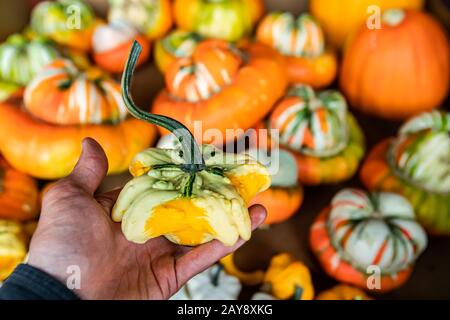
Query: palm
{"type": "Point", "coordinates": [75, 229]}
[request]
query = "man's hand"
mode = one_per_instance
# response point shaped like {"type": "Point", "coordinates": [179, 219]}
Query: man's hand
{"type": "Point", "coordinates": [75, 229]}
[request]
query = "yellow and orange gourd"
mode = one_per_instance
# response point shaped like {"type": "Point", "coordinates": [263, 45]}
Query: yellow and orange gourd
{"type": "Point", "coordinates": [222, 86]}
{"type": "Point", "coordinates": [302, 44]}
{"type": "Point", "coordinates": [359, 231]}
{"type": "Point", "coordinates": [13, 246]}
{"type": "Point", "coordinates": [324, 137]}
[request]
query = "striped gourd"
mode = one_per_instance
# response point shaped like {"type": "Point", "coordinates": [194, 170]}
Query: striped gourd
{"type": "Point", "coordinates": [213, 65]}
{"type": "Point", "coordinates": [62, 94]}
{"type": "Point", "coordinates": [298, 37]}
{"type": "Point", "coordinates": [21, 59]}
{"type": "Point", "coordinates": [376, 229]}
{"type": "Point", "coordinates": [310, 124]}
{"type": "Point", "coordinates": [68, 22]}
{"type": "Point", "coordinates": [421, 153]}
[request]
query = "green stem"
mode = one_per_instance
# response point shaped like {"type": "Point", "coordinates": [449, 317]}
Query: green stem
{"type": "Point", "coordinates": [191, 152]}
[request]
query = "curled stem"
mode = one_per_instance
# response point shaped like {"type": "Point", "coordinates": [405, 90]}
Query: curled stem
{"type": "Point", "coordinates": [191, 152]}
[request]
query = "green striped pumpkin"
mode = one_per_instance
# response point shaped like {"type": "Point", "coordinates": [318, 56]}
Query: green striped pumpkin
{"type": "Point", "coordinates": [21, 59]}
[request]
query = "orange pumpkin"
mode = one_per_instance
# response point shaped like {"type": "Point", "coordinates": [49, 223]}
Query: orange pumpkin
{"type": "Point", "coordinates": [324, 137]}
{"type": "Point", "coordinates": [301, 42]}
{"type": "Point", "coordinates": [341, 18]}
{"type": "Point", "coordinates": [285, 196]}
{"type": "Point", "coordinates": [399, 70]}
{"type": "Point", "coordinates": [223, 87]}
{"type": "Point", "coordinates": [343, 292]}
{"type": "Point", "coordinates": [360, 231]}
{"type": "Point", "coordinates": [50, 151]}
{"type": "Point", "coordinates": [112, 43]}
{"type": "Point", "coordinates": [18, 194]}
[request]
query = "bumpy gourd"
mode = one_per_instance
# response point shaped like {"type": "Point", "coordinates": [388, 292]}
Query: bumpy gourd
{"type": "Point", "coordinates": [321, 131]}
{"type": "Point", "coordinates": [21, 59]}
{"type": "Point", "coordinates": [359, 231]}
{"type": "Point", "coordinates": [189, 209]}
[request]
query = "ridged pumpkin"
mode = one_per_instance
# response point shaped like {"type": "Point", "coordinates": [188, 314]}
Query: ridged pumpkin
{"type": "Point", "coordinates": [21, 59]}
{"type": "Point", "coordinates": [67, 22]}
{"type": "Point", "coordinates": [302, 43]}
{"type": "Point", "coordinates": [340, 18]}
{"type": "Point", "coordinates": [287, 278]}
{"type": "Point", "coordinates": [220, 19]}
{"type": "Point", "coordinates": [13, 247]}
{"type": "Point", "coordinates": [223, 87]}
{"type": "Point", "coordinates": [111, 44]}
{"type": "Point", "coordinates": [18, 194]}
{"type": "Point", "coordinates": [285, 196]}
{"type": "Point", "coordinates": [62, 94]}
{"type": "Point", "coordinates": [359, 230]}
{"type": "Point", "coordinates": [416, 164]}
{"type": "Point", "coordinates": [152, 18]}
{"type": "Point", "coordinates": [177, 44]}
{"type": "Point", "coordinates": [325, 138]}
{"type": "Point", "coordinates": [343, 292]}
{"type": "Point", "coordinates": [399, 70]}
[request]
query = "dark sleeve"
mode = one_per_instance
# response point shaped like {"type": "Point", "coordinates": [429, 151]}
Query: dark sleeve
{"type": "Point", "coordinates": [30, 283]}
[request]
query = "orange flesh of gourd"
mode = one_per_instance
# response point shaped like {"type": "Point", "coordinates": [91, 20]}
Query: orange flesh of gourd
{"type": "Point", "coordinates": [182, 219]}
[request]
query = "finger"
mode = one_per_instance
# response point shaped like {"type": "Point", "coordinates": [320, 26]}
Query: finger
{"type": "Point", "coordinates": [108, 199]}
{"type": "Point", "coordinates": [91, 167]}
{"type": "Point", "coordinates": [204, 256]}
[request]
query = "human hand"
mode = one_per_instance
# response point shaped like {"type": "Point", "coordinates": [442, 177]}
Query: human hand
{"type": "Point", "coordinates": [75, 229]}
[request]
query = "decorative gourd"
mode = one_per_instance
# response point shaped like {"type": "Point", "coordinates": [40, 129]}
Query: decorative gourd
{"type": "Point", "coordinates": [67, 22]}
{"type": "Point", "coordinates": [112, 42]}
{"type": "Point", "coordinates": [302, 43]}
{"type": "Point", "coordinates": [340, 18]}
{"type": "Point", "coordinates": [220, 19]}
{"type": "Point", "coordinates": [285, 196]}
{"type": "Point", "coordinates": [252, 278]}
{"type": "Point", "coordinates": [287, 278]}
{"type": "Point", "coordinates": [211, 284]}
{"type": "Point", "coordinates": [177, 44]}
{"type": "Point", "coordinates": [222, 86]}
{"type": "Point", "coordinates": [62, 94]}
{"type": "Point", "coordinates": [152, 18]}
{"type": "Point", "coordinates": [18, 194]}
{"type": "Point", "coordinates": [21, 59]}
{"type": "Point", "coordinates": [343, 292]}
{"type": "Point", "coordinates": [381, 76]}
{"type": "Point", "coordinates": [417, 165]}
{"type": "Point", "coordinates": [327, 140]}
{"type": "Point", "coordinates": [13, 247]}
{"type": "Point", "coordinates": [189, 209]}
{"type": "Point", "coordinates": [359, 230]}
{"type": "Point", "coordinates": [190, 195]}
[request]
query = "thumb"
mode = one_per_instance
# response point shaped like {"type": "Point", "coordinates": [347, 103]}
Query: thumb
{"type": "Point", "coordinates": [91, 167]}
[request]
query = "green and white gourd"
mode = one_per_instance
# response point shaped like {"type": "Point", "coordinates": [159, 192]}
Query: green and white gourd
{"type": "Point", "coordinates": [377, 229]}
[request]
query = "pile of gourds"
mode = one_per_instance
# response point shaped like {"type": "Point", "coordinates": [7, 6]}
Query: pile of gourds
{"type": "Point", "coordinates": [232, 71]}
